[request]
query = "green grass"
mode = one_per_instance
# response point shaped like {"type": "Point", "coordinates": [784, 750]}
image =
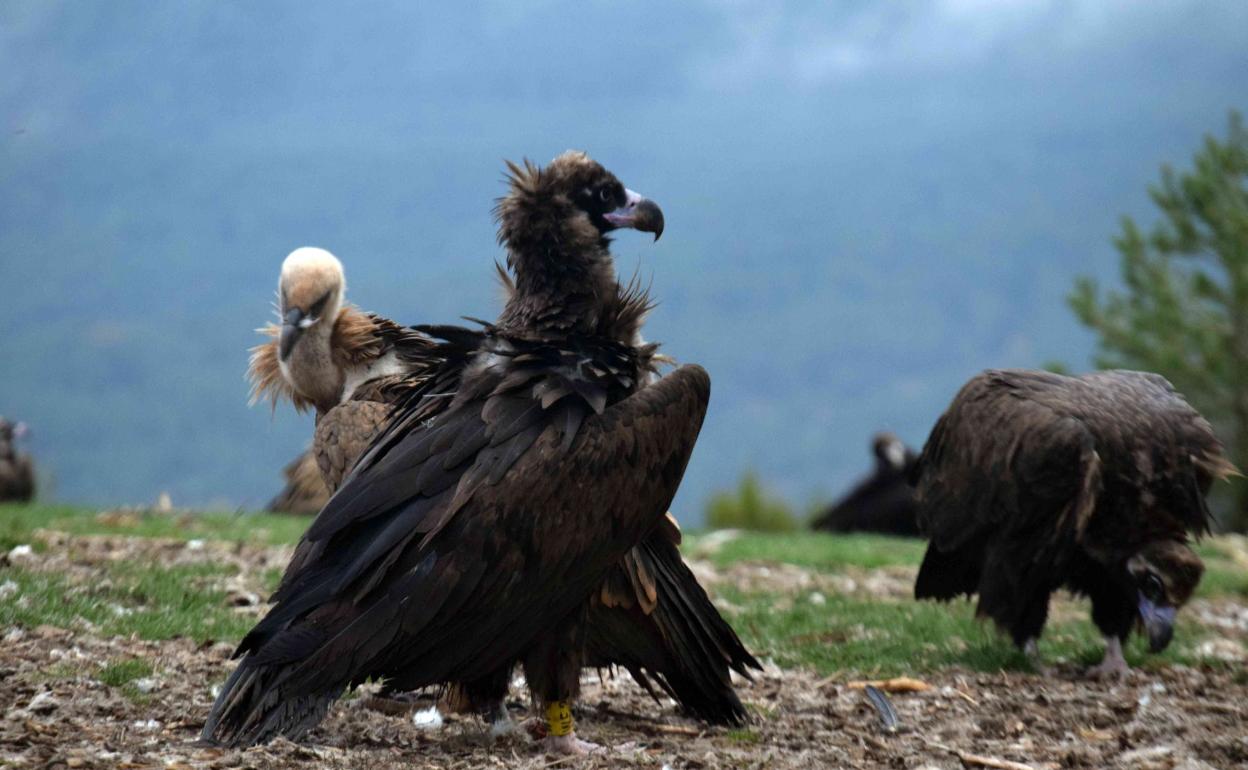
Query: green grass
{"type": "Point", "coordinates": [744, 736]}
{"type": "Point", "coordinates": [149, 602]}
{"type": "Point", "coordinates": [124, 675]}
{"type": "Point", "coordinates": [18, 522]}
{"type": "Point", "coordinates": [816, 550]}
{"type": "Point", "coordinates": [122, 672]}
{"type": "Point", "coordinates": [883, 638]}
{"type": "Point", "coordinates": [1222, 574]}
{"type": "Point", "coordinates": [851, 635]}
{"type": "Point", "coordinates": [1223, 580]}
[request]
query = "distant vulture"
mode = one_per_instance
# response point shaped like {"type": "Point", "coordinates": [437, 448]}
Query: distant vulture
{"type": "Point", "coordinates": [1034, 481]}
{"type": "Point", "coordinates": [650, 617]}
{"type": "Point", "coordinates": [305, 492]}
{"type": "Point", "coordinates": [17, 471]}
{"type": "Point", "coordinates": [881, 502]}
{"type": "Point", "coordinates": [493, 511]}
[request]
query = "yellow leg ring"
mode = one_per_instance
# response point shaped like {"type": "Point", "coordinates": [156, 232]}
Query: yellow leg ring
{"type": "Point", "coordinates": [559, 718]}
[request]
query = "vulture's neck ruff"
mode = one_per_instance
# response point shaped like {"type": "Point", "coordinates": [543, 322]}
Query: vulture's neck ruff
{"type": "Point", "coordinates": [361, 348]}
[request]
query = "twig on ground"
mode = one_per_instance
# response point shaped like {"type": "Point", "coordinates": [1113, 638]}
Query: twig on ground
{"type": "Point", "coordinates": [870, 740]}
{"type": "Point", "coordinates": [975, 760]}
{"type": "Point", "coordinates": [832, 678]}
{"type": "Point", "coordinates": [896, 684]}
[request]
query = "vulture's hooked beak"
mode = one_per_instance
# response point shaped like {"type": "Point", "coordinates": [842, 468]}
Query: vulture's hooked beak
{"type": "Point", "coordinates": [1158, 622]}
{"type": "Point", "coordinates": [638, 213]}
{"type": "Point", "coordinates": [294, 321]}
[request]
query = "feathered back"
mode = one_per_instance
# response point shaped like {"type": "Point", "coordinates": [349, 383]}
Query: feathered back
{"type": "Point", "coordinates": [1115, 455]}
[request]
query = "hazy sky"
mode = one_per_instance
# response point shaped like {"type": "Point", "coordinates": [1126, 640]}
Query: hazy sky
{"type": "Point", "coordinates": [866, 202]}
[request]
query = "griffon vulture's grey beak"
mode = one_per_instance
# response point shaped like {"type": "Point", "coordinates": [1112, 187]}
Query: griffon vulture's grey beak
{"type": "Point", "coordinates": [293, 324]}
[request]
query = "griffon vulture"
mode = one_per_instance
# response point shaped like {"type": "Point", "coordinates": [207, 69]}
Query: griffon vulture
{"type": "Point", "coordinates": [331, 357]}
{"type": "Point", "coordinates": [1034, 481]}
{"type": "Point", "coordinates": [475, 529]}
{"type": "Point", "coordinates": [883, 501]}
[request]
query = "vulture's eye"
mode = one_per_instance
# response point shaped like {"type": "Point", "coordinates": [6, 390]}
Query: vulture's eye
{"type": "Point", "coordinates": [1154, 590]}
{"type": "Point", "coordinates": [604, 194]}
{"type": "Point", "coordinates": [318, 307]}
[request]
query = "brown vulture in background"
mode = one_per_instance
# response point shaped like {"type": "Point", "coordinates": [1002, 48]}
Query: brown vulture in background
{"type": "Point", "coordinates": [1034, 481]}
{"type": "Point", "coordinates": [882, 502]}
{"type": "Point", "coordinates": [305, 492]}
{"type": "Point", "coordinates": [477, 527]}
{"type": "Point", "coordinates": [331, 357]}
{"type": "Point", "coordinates": [17, 471]}
{"type": "Point", "coordinates": [650, 616]}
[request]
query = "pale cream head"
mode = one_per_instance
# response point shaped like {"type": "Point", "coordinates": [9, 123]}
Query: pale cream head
{"type": "Point", "coordinates": [310, 290]}
{"type": "Point", "coordinates": [308, 275]}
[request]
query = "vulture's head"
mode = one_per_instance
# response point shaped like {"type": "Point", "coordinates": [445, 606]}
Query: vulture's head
{"type": "Point", "coordinates": [1164, 574]}
{"type": "Point", "coordinates": [309, 294]}
{"type": "Point", "coordinates": [566, 209]}
{"type": "Point", "coordinates": [890, 451]}
{"type": "Point", "coordinates": [9, 434]}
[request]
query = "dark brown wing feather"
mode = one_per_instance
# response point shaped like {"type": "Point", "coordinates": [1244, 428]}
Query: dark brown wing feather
{"type": "Point", "coordinates": [653, 618]}
{"type": "Point", "coordinates": [450, 548]}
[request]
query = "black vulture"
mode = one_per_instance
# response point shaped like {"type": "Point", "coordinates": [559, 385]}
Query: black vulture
{"type": "Point", "coordinates": [882, 502]}
{"type": "Point", "coordinates": [650, 617]}
{"type": "Point", "coordinates": [17, 470]}
{"type": "Point", "coordinates": [1033, 481]}
{"type": "Point", "coordinates": [472, 534]}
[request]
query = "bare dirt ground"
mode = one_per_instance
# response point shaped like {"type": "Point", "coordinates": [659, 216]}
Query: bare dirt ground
{"type": "Point", "coordinates": [57, 714]}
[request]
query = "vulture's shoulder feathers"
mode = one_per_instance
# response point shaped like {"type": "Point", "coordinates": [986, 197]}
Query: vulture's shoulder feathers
{"type": "Point", "coordinates": [360, 338]}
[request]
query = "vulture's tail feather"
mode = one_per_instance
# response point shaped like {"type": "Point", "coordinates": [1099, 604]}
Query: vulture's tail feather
{"type": "Point", "coordinates": [254, 707]}
{"type": "Point", "coordinates": [684, 645]}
